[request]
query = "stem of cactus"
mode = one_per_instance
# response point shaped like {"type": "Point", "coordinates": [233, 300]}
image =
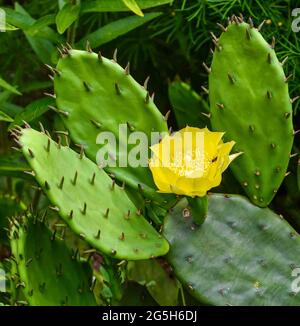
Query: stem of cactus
{"type": "Point", "coordinates": [199, 207]}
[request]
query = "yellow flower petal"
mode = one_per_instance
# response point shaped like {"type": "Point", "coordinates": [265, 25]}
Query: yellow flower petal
{"type": "Point", "coordinates": [191, 161]}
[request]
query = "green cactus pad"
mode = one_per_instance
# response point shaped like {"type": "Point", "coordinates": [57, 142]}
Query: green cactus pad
{"type": "Point", "coordinates": [47, 273]}
{"type": "Point", "coordinates": [250, 101]}
{"type": "Point", "coordinates": [94, 95]}
{"type": "Point", "coordinates": [241, 255]}
{"type": "Point", "coordinates": [89, 201]}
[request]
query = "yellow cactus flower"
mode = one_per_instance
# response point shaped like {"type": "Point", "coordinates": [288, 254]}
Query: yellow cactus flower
{"type": "Point", "coordinates": [190, 162]}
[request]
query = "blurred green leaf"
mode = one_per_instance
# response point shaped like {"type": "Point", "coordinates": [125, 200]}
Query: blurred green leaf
{"type": "Point", "coordinates": [5, 117]}
{"type": "Point", "coordinates": [13, 165]}
{"type": "Point", "coordinates": [10, 108]}
{"type": "Point", "coordinates": [66, 17]}
{"type": "Point", "coordinates": [40, 24]}
{"type": "Point", "coordinates": [163, 288]}
{"type": "Point", "coordinates": [8, 87]}
{"type": "Point", "coordinates": [115, 29]}
{"type": "Point", "coordinates": [32, 111]}
{"type": "Point", "coordinates": [133, 6]}
{"type": "Point", "coordinates": [188, 106]}
{"type": "Point", "coordinates": [118, 5]}
{"type": "Point", "coordinates": [41, 46]}
{"type": "Point", "coordinates": [21, 19]}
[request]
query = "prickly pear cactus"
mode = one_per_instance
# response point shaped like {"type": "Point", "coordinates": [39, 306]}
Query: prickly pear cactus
{"type": "Point", "coordinates": [241, 255]}
{"type": "Point", "coordinates": [94, 95]}
{"type": "Point", "coordinates": [90, 202]}
{"type": "Point", "coordinates": [250, 101]}
{"type": "Point", "coordinates": [46, 271]}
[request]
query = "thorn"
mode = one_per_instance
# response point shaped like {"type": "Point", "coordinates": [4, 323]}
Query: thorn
{"type": "Point", "coordinates": [205, 90]}
{"type": "Point", "coordinates": [117, 89]}
{"type": "Point", "coordinates": [26, 125]}
{"type": "Point", "coordinates": [273, 43]}
{"type": "Point", "coordinates": [47, 186]}
{"type": "Point", "coordinates": [32, 173]}
{"type": "Point", "coordinates": [54, 208]}
{"type": "Point", "coordinates": [146, 82]}
{"type": "Point", "coordinates": [269, 95]}
{"type": "Point", "coordinates": [47, 133]}
{"type": "Point", "coordinates": [84, 209]}
{"type": "Point", "coordinates": [127, 69]}
{"type": "Point", "coordinates": [127, 215]}
{"type": "Point", "coordinates": [75, 178]}
{"type": "Point", "coordinates": [284, 60]}
{"type": "Point", "coordinates": [214, 36]}
{"type": "Point", "coordinates": [220, 106]}
{"type": "Point", "coordinates": [287, 174]}
{"type": "Point", "coordinates": [296, 132]}
{"type": "Point", "coordinates": [211, 51]}
{"type": "Point", "coordinates": [53, 235]}
{"type": "Point", "coordinates": [93, 179]}
{"type": "Point", "coordinates": [88, 47]}
{"type": "Point", "coordinates": [61, 184]}
{"type": "Point", "coordinates": [261, 25]}
{"type": "Point", "coordinates": [139, 212]}
{"type": "Point", "coordinates": [167, 115]}
{"type": "Point", "coordinates": [208, 70]}
{"type": "Point", "coordinates": [87, 86]}
{"type": "Point", "coordinates": [248, 33]}
{"type": "Point", "coordinates": [123, 185]}
{"type": "Point", "coordinates": [96, 124]}
{"type": "Point", "coordinates": [292, 100]}
{"type": "Point", "coordinates": [207, 115]}
{"type": "Point", "coordinates": [115, 55]}
{"type": "Point", "coordinates": [287, 115]}
{"type": "Point", "coordinates": [29, 261]}
{"type": "Point", "coordinates": [122, 236]}
{"type": "Point", "coordinates": [147, 98]}
{"type": "Point", "coordinates": [97, 236]}
{"type": "Point", "coordinates": [286, 79]}
{"type": "Point", "coordinates": [58, 142]}
{"type": "Point", "coordinates": [81, 152]}
{"type": "Point", "coordinates": [100, 59]}
{"type": "Point", "coordinates": [50, 95]}
{"type": "Point", "coordinates": [106, 213]}
{"type": "Point", "coordinates": [51, 77]}
{"type": "Point", "coordinates": [30, 153]}
{"type": "Point", "coordinates": [217, 45]}
{"type": "Point", "coordinates": [113, 252]}
{"type": "Point", "coordinates": [294, 155]}
{"type": "Point", "coordinates": [113, 185]}
{"type": "Point", "coordinates": [140, 187]}
{"type": "Point", "coordinates": [231, 78]}
{"type": "Point", "coordinates": [251, 22]}
{"type": "Point", "coordinates": [224, 29]}
{"type": "Point", "coordinates": [269, 58]}
{"type": "Point", "coordinates": [48, 145]}
{"type": "Point", "coordinates": [41, 127]}
{"type": "Point", "coordinates": [152, 96]}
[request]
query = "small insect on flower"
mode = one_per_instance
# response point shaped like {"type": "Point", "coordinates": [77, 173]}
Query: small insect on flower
{"type": "Point", "coordinates": [191, 161]}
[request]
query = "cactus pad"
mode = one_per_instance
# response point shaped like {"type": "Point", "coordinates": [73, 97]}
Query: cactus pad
{"type": "Point", "coordinates": [241, 255]}
{"type": "Point", "coordinates": [89, 201]}
{"type": "Point", "coordinates": [250, 101]}
{"type": "Point", "coordinates": [46, 271]}
{"type": "Point", "coordinates": [94, 95]}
